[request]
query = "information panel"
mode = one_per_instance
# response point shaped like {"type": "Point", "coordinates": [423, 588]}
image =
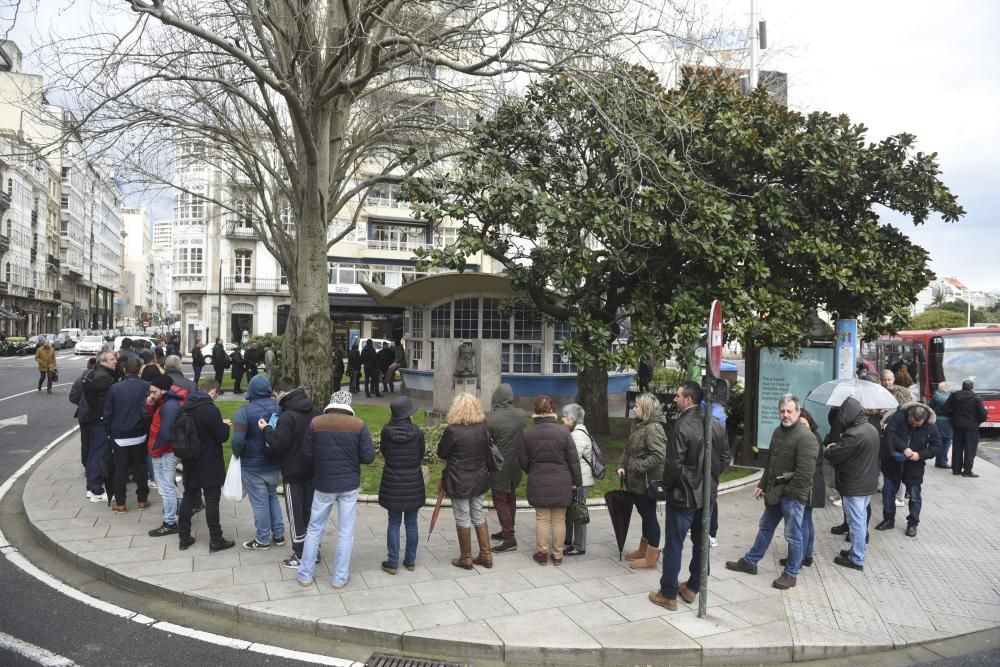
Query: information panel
{"type": "Point", "coordinates": [779, 376]}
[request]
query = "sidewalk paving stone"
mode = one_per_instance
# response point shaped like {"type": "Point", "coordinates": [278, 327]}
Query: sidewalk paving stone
{"type": "Point", "coordinates": [470, 640]}
{"type": "Point", "coordinates": [379, 599]}
{"type": "Point", "coordinates": [433, 615]}
{"type": "Point", "coordinates": [485, 606]}
{"type": "Point", "coordinates": [294, 613]}
{"type": "Point", "coordinates": [652, 640]}
{"type": "Point", "coordinates": [430, 592]}
{"type": "Point", "coordinates": [545, 637]}
{"type": "Point", "coordinates": [533, 599]}
{"type": "Point", "coordinates": [223, 601]}
{"type": "Point", "coordinates": [593, 614]}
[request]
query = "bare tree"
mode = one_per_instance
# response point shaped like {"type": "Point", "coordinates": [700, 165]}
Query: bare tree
{"type": "Point", "coordinates": [312, 102]}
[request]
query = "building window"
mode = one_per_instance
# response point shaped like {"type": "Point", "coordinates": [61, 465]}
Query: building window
{"type": "Point", "coordinates": [244, 214]}
{"type": "Point", "coordinates": [417, 323]}
{"type": "Point", "coordinates": [495, 324]}
{"type": "Point", "coordinates": [441, 321]}
{"type": "Point", "coordinates": [416, 350]}
{"type": "Point", "coordinates": [560, 361]}
{"type": "Point", "coordinates": [6, 273]}
{"type": "Point", "coordinates": [526, 357]}
{"type": "Point", "coordinates": [385, 236]}
{"type": "Point", "coordinates": [385, 194]}
{"type": "Point", "coordinates": [527, 323]}
{"type": "Point", "coordinates": [243, 267]}
{"type": "Point", "coordinates": [467, 318]}
{"type": "Point", "coordinates": [64, 201]}
{"type": "Point", "coordinates": [445, 237]}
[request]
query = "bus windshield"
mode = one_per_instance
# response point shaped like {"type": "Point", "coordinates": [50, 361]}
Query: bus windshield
{"type": "Point", "coordinates": [973, 357]}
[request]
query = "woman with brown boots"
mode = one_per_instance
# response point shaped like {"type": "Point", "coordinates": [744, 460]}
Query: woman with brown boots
{"type": "Point", "coordinates": [464, 447]}
{"type": "Point", "coordinates": [642, 463]}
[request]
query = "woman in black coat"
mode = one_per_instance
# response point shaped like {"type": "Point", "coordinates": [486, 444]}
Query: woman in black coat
{"type": "Point", "coordinates": [464, 446]}
{"type": "Point", "coordinates": [553, 466]}
{"type": "Point", "coordinates": [402, 488]}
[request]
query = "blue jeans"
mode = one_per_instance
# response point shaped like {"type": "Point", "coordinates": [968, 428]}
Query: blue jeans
{"type": "Point", "coordinates": [165, 474]}
{"type": "Point", "coordinates": [889, 489]}
{"type": "Point", "coordinates": [95, 457]}
{"type": "Point", "coordinates": [942, 457]}
{"type": "Point", "coordinates": [646, 507]}
{"type": "Point", "coordinates": [354, 386]}
{"type": "Point", "coordinates": [808, 532]}
{"type": "Point", "coordinates": [197, 374]}
{"type": "Point", "coordinates": [856, 511]}
{"type": "Point", "coordinates": [323, 503]}
{"type": "Point", "coordinates": [675, 532]}
{"type": "Point", "coordinates": [262, 489]}
{"type": "Point", "coordinates": [791, 511]}
{"type": "Point", "coordinates": [392, 538]}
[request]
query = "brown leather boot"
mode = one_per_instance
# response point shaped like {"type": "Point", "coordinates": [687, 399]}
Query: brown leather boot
{"type": "Point", "coordinates": [464, 561]}
{"type": "Point", "coordinates": [649, 562]}
{"type": "Point", "coordinates": [640, 552]}
{"type": "Point", "coordinates": [784, 582]}
{"type": "Point", "coordinates": [485, 557]}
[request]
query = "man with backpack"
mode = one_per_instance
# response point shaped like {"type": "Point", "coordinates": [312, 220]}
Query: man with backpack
{"type": "Point", "coordinates": [506, 427]}
{"type": "Point", "coordinates": [198, 433]}
{"type": "Point", "coordinates": [75, 396]}
{"type": "Point", "coordinates": [284, 444]}
{"type": "Point", "coordinates": [163, 404]}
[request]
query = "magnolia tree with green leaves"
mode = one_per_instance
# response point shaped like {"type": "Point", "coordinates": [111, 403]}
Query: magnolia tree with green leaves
{"type": "Point", "coordinates": [613, 198]}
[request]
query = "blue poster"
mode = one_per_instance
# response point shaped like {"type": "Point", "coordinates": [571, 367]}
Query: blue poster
{"type": "Point", "coordinates": [352, 337]}
{"type": "Point", "coordinates": [799, 376]}
{"type": "Point", "coordinates": [846, 347]}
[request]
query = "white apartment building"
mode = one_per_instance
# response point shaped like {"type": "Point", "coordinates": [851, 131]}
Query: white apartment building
{"type": "Point", "coordinates": [139, 277]}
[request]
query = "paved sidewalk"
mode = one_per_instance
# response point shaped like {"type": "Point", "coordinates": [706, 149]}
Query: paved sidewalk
{"type": "Point", "coordinates": [592, 610]}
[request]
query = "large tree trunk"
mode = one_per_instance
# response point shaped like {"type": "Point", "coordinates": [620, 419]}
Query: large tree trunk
{"type": "Point", "coordinates": [592, 394]}
{"type": "Point", "coordinates": [288, 364]}
{"type": "Point", "coordinates": [312, 307]}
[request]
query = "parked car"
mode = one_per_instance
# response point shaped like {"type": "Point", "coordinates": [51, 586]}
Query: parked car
{"type": "Point", "coordinates": [89, 345]}
{"type": "Point", "coordinates": [207, 351]}
{"type": "Point", "coordinates": [31, 346]}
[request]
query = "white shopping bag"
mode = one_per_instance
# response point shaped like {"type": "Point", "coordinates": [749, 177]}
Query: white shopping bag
{"type": "Point", "coordinates": [233, 486]}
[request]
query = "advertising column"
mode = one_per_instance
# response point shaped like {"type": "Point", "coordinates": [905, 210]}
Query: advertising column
{"type": "Point", "coordinates": [846, 349]}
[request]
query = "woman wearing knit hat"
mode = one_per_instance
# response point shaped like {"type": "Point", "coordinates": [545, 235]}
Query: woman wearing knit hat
{"type": "Point", "coordinates": [261, 472]}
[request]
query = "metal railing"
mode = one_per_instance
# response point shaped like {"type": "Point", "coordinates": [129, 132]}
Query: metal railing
{"type": "Point", "coordinates": [253, 285]}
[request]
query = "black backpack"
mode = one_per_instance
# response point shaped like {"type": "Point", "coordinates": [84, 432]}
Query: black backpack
{"type": "Point", "coordinates": [597, 464]}
{"type": "Point", "coordinates": [184, 435]}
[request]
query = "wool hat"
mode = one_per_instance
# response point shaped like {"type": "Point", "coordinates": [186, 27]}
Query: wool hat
{"type": "Point", "coordinates": [402, 407]}
{"type": "Point", "coordinates": [163, 382]}
{"type": "Point", "coordinates": [341, 400]}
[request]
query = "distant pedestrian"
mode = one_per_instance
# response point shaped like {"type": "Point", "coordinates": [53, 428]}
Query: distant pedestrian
{"type": "Point", "coordinates": [966, 412]}
{"type": "Point", "coordinates": [644, 375]}
{"type": "Point", "coordinates": [641, 463]}
{"type": "Point", "coordinates": [402, 489]}
{"type": "Point", "coordinates": [940, 397]}
{"type": "Point", "coordinates": [220, 361]}
{"type": "Point", "coordinates": [337, 443]}
{"type": "Point", "coordinates": [369, 359]}
{"type": "Point", "coordinates": [172, 367]}
{"type": "Point", "coordinates": [506, 425]}
{"type": "Point", "coordinates": [285, 442]}
{"type": "Point", "coordinates": [338, 369]}
{"type": "Point", "coordinates": [270, 360]}
{"type": "Point", "coordinates": [205, 474]}
{"type": "Point", "coordinates": [94, 393]}
{"type": "Point", "coordinates": [903, 377]}
{"type": "Point", "coordinates": [464, 446]}
{"type": "Point", "coordinates": [855, 458]}
{"type": "Point", "coordinates": [901, 394]}
{"type": "Point", "coordinates": [45, 359]}
{"type": "Point", "coordinates": [785, 487]}
{"type": "Point", "coordinates": [354, 369]}
{"type": "Point", "coordinates": [398, 361]}
{"type": "Point", "coordinates": [251, 357]}
{"type": "Point", "coordinates": [385, 358]}
{"type": "Point", "coordinates": [911, 438]}
{"type": "Point", "coordinates": [197, 361]}
{"type": "Point", "coordinates": [261, 472]}
{"type": "Point", "coordinates": [128, 426]}
{"type": "Point", "coordinates": [576, 533]}
{"type": "Point", "coordinates": [236, 364]}
{"type": "Point", "coordinates": [817, 499]}
{"type": "Point", "coordinates": [553, 466]}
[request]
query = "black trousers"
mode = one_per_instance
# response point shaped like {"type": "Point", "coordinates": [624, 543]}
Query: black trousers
{"type": "Point", "coordinates": [197, 374]}
{"type": "Point", "coordinates": [130, 459]}
{"type": "Point", "coordinates": [237, 380]}
{"type": "Point", "coordinates": [298, 503]}
{"type": "Point", "coordinates": [963, 449]}
{"type": "Point", "coordinates": [42, 377]}
{"type": "Point", "coordinates": [84, 443]}
{"type": "Point", "coordinates": [219, 372]}
{"type": "Point", "coordinates": [371, 382]}
{"type": "Point", "coordinates": [190, 500]}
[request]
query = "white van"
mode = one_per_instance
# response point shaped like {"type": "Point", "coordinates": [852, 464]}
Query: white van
{"type": "Point", "coordinates": [73, 334]}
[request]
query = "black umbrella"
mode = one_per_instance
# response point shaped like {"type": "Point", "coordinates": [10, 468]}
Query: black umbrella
{"type": "Point", "coordinates": [619, 504]}
{"type": "Point", "coordinates": [108, 469]}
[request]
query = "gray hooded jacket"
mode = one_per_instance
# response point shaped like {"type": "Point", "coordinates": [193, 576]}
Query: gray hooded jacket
{"type": "Point", "coordinates": [855, 455]}
{"type": "Point", "coordinates": [506, 426]}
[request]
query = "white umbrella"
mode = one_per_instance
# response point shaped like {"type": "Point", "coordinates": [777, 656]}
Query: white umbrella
{"type": "Point", "coordinates": [870, 395]}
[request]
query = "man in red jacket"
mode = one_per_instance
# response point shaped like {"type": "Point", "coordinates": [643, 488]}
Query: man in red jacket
{"type": "Point", "coordinates": [163, 404]}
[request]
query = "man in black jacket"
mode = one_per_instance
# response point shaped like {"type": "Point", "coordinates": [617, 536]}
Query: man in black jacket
{"type": "Point", "coordinates": [95, 390]}
{"type": "Point", "coordinates": [855, 458]}
{"type": "Point", "coordinates": [219, 362]}
{"type": "Point", "coordinates": [966, 411]}
{"type": "Point", "coordinates": [207, 472]}
{"type": "Point", "coordinates": [236, 359]}
{"type": "Point", "coordinates": [354, 369]}
{"type": "Point", "coordinates": [284, 443]}
{"type": "Point", "coordinates": [683, 475]}
{"type": "Point", "coordinates": [197, 361]}
{"type": "Point", "coordinates": [250, 361]}
{"type": "Point", "coordinates": [369, 359]}
{"type": "Point", "coordinates": [127, 423]}
{"type": "Point", "coordinates": [75, 395]}
{"type": "Point", "coordinates": [385, 358]}
{"type": "Point", "coordinates": [911, 438]}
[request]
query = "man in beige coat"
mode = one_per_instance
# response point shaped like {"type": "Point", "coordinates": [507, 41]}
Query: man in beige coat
{"type": "Point", "coordinates": [45, 358]}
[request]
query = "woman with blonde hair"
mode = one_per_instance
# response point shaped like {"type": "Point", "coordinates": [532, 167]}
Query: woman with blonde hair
{"type": "Point", "coordinates": [553, 466]}
{"type": "Point", "coordinates": [642, 462]}
{"type": "Point", "coordinates": [464, 447]}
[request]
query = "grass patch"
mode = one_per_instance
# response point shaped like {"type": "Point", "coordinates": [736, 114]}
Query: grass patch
{"type": "Point", "coordinates": [377, 416]}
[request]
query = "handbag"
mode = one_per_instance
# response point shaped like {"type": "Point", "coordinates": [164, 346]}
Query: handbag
{"type": "Point", "coordinates": [494, 461]}
{"type": "Point", "coordinates": [577, 512]}
{"type": "Point", "coordinates": [656, 490]}
{"type": "Point", "coordinates": [54, 374]}
{"type": "Point", "coordinates": [232, 488]}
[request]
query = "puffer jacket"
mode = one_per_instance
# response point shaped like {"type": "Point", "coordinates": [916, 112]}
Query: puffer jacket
{"type": "Point", "coordinates": [248, 439]}
{"type": "Point", "coordinates": [506, 425]}
{"type": "Point", "coordinates": [855, 454]}
{"type": "Point", "coordinates": [337, 443]}
{"type": "Point", "coordinates": [645, 452]}
{"type": "Point", "coordinates": [464, 448]}
{"type": "Point", "coordinates": [402, 487]}
{"type": "Point", "coordinates": [96, 384]}
{"type": "Point", "coordinates": [209, 469]}
{"type": "Point", "coordinates": [585, 450]}
{"type": "Point", "coordinates": [965, 409]}
{"type": "Point", "coordinates": [163, 414]}
{"type": "Point", "coordinates": [943, 421]}
{"type": "Point", "coordinates": [285, 440]}
{"type": "Point", "coordinates": [552, 463]}
{"type": "Point", "coordinates": [791, 464]}
{"type": "Point", "coordinates": [899, 435]}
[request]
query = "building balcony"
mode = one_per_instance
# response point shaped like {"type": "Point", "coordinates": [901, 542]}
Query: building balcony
{"type": "Point", "coordinates": [254, 285]}
{"type": "Point", "coordinates": [190, 283]}
{"type": "Point", "coordinates": [3, 288]}
{"type": "Point", "coordinates": [31, 292]}
{"type": "Point", "coordinates": [4, 202]}
{"type": "Point", "coordinates": [4, 244]}
{"type": "Point", "coordinates": [53, 261]}
{"type": "Point", "coordinates": [34, 218]}
{"type": "Point", "coordinates": [239, 231]}
{"type": "Point", "coordinates": [34, 254]}
{"type": "Point", "coordinates": [57, 295]}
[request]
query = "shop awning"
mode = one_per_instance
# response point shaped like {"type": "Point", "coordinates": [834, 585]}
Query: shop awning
{"type": "Point", "coordinates": [437, 286]}
{"type": "Point", "coordinates": [6, 314]}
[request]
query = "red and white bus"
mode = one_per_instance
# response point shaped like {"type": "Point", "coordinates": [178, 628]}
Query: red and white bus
{"type": "Point", "coordinates": [951, 355]}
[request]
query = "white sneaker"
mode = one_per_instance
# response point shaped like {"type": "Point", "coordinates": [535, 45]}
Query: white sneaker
{"type": "Point", "coordinates": [839, 502]}
{"type": "Point", "coordinates": [151, 484]}
{"type": "Point", "coordinates": [713, 541]}
{"type": "Point", "coordinates": [98, 499]}
{"type": "Point", "coordinates": [899, 503]}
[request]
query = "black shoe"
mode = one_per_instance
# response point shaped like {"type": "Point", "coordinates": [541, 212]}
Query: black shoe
{"type": "Point", "coordinates": [506, 545]}
{"type": "Point", "coordinates": [378, 395]}
{"type": "Point", "coordinates": [844, 561]}
{"type": "Point", "coordinates": [955, 473]}
{"type": "Point", "coordinates": [886, 524]}
{"type": "Point", "coordinates": [806, 560]}
{"type": "Point", "coordinates": [969, 474]}
{"type": "Point", "coordinates": [164, 529]}
{"type": "Point", "coordinates": [186, 542]}
{"type": "Point", "coordinates": [573, 551]}
{"type": "Point", "coordinates": [938, 465]}
{"type": "Point", "coordinates": [840, 530]}
{"type": "Point", "coordinates": [367, 395]}
{"type": "Point", "coordinates": [497, 535]}
{"type": "Point", "coordinates": [278, 541]}
{"type": "Point", "coordinates": [220, 545]}
{"type": "Point", "coordinates": [911, 531]}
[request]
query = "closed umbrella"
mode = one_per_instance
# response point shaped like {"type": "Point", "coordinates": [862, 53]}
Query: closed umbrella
{"type": "Point", "coordinates": [870, 395]}
{"type": "Point", "coordinates": [437, 511]}
{"type": "Point", "coordinates": [619, 503]}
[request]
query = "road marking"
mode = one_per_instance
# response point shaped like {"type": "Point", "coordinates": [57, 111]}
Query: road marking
{"type": "Point", "coordinates": [33, 653]}
{"type": "Point", "coordinates": [32, 391]}
{"type": "Point", "coordinates": [17, 559]}
{"type": "Point", "coordinates": [21, 420]}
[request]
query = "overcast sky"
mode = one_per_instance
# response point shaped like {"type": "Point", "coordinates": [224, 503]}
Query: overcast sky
{"type": "Point", "coordinates": [919, 66]}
